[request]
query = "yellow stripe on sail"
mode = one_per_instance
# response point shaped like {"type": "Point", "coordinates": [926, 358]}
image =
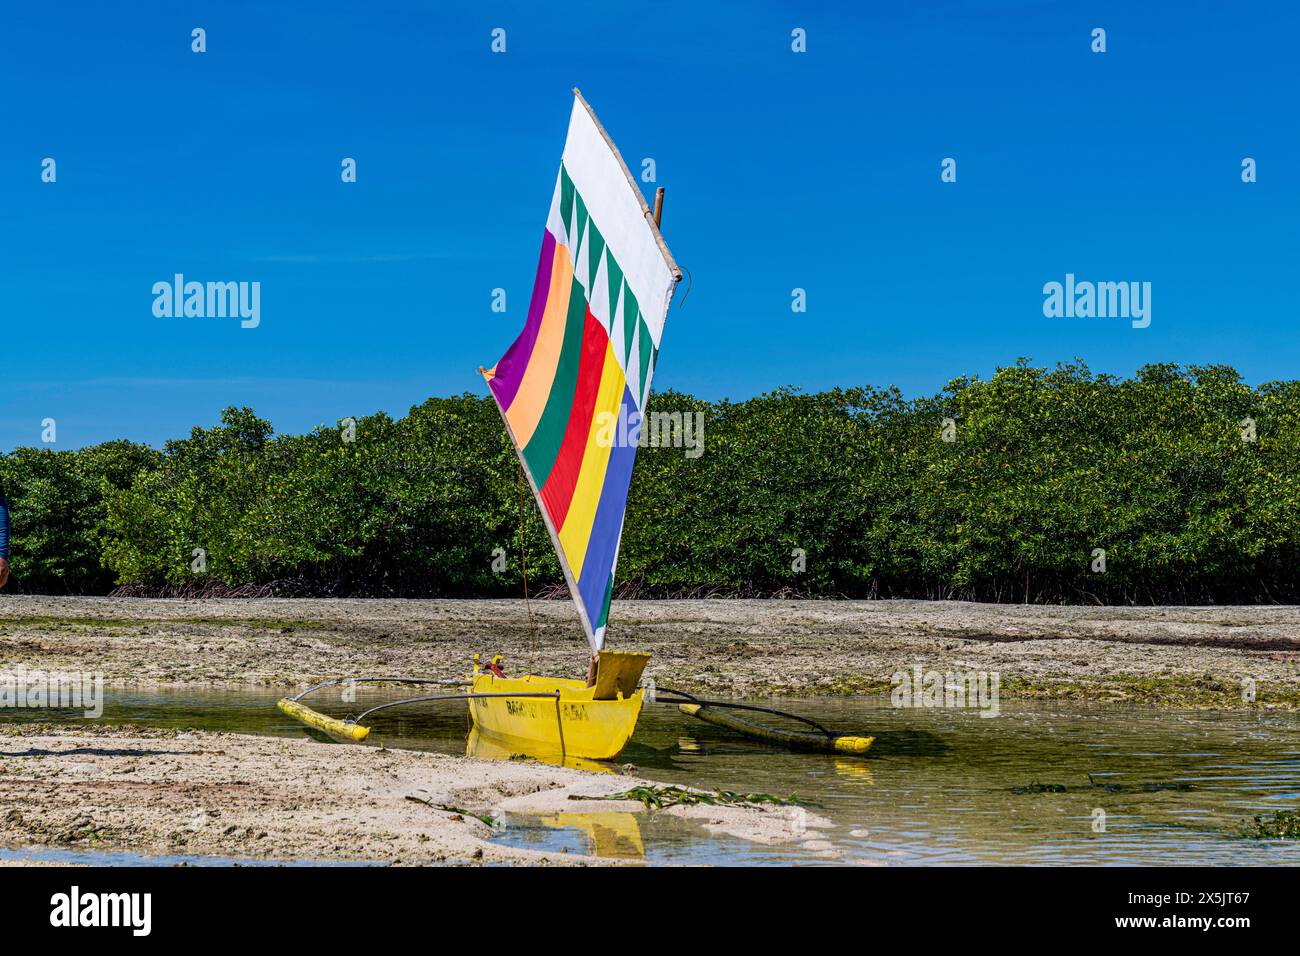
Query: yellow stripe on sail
{"type": "Point", "coordinates": [576, 532]}
{"type": "Point", "coordinates": [535, 388]}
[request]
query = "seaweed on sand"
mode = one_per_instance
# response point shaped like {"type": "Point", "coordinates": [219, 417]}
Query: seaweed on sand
{"type": "Point", "coordinates": [660, 798]}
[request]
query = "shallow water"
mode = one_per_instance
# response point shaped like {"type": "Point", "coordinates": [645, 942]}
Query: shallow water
{"type": "Point", "coordinates": [937, 787]}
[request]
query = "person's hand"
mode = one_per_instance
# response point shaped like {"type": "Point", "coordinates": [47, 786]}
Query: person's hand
{"type": "Point", "coordinates": [4, 571]}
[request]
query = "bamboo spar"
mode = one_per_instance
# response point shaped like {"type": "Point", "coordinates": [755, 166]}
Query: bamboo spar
{"type": "Point", "coordinates": [659, 207]}
{"type": "Point", "coordinates": [649, 213]}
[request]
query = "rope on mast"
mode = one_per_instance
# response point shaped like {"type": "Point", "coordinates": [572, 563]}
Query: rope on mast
{"type": "Point", "coordinates": [523, 564]}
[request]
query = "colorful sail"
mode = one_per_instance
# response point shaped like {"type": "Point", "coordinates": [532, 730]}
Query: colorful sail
{"type": "Point", "coordinates": [574, 384]}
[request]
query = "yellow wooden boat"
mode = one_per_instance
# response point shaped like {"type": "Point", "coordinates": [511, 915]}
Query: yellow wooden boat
{"type": "Point", "coordinates": [556, 720]}
{"type": "Point", "coordinates": [594, 722]}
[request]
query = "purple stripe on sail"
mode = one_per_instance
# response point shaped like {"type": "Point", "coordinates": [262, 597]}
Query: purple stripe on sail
{"type": "Point", "coordinates": [603, 544]}
{"type": "Point", "coordinates": [510, 370]}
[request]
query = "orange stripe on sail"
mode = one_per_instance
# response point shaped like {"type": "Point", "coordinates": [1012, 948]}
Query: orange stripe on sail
{"type": "Point", "coordinates": [526, 410]}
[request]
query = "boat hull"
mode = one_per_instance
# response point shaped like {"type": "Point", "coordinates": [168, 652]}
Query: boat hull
{"type": "Point", "coordinates": [572, 723]}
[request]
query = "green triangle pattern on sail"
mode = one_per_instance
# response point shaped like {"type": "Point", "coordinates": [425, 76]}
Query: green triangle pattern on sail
{"type": "Point", "coordinates": [646, 346]}
{"type": "Point", "coordinates": [582, 225]}
{"type": "Point", "coordinates": [595, 252]}
{"type": "Point", "coordinates": [566, 202]}
{"type": "Point", "coordinates": [615, 288]}
{"type": "Point", "coordinates": [631, 314]}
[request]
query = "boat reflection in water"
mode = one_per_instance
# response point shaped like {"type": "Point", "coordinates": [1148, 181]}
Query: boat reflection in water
{"type": "Point", "coordinates": [615, 834]}
{"type": "Point", "coordinates": [611, 834]}
{"type": "Point", "coordinates": [486, 747]}
{"type": "Point", "coordinates": [857, 771]}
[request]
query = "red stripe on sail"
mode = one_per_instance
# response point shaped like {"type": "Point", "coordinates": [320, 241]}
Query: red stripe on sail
{"type": "Point", "coordinates": [509, 372]}
{"type": "Point", "coordinates": [557, 493]}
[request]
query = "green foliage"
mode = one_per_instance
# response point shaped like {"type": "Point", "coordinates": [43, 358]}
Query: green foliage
{"type": "Point", "coordinates": [59, 512]}
{"type": "Point", "coordinates": [1046, 466]}
{"type": "Point", "coordinates": [415, 506]}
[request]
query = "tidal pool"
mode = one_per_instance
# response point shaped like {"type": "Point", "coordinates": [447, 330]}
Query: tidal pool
{"type": "Point", "coordinates": [1039, 784]}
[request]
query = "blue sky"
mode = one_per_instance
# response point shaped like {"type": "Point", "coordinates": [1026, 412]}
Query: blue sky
{"type": "Point", "coordinates": [818, 170]}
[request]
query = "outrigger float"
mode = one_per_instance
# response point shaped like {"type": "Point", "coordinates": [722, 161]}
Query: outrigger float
{"type": "Point", "coordinates": [581, 366]}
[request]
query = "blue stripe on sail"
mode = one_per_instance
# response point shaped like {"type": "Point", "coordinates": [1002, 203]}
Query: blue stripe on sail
{"type": "Point", "coordinates": [605, 530]}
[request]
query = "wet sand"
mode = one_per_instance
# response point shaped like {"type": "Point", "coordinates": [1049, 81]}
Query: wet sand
{"type": "Point", "coordinates": [239, 797]}
{"type": "Point", "coordinates": [1162, 656]}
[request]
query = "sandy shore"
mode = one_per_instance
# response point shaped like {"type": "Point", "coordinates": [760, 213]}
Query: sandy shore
{"type": "Point", "coordinates": [1172, 656]}
{"type": "Point", "coordinates": [239, 797]}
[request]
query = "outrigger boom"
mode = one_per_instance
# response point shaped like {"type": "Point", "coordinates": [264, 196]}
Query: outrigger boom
{"type": "Point", "coordinates": [343, 728]}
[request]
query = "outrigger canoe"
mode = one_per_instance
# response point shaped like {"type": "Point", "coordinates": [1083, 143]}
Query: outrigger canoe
{"type": "Point", "coordinates": [572, 392]}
